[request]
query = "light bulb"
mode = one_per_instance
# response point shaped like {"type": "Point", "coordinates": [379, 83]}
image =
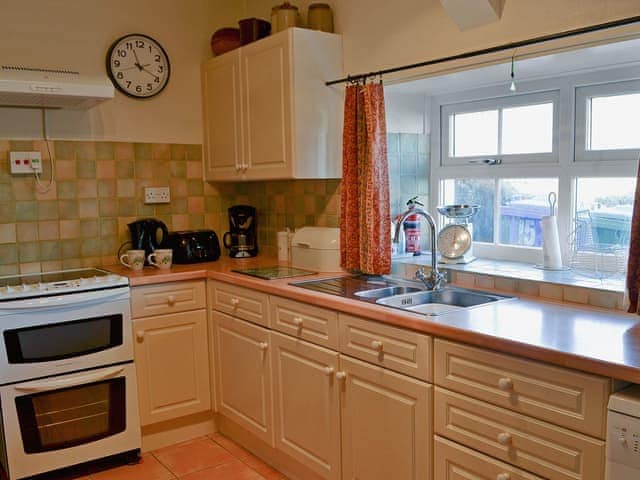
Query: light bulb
{"type": "Point", "coordinates": [512, 87]}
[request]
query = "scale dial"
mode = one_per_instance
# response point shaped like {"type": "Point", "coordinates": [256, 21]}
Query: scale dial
{"type": "Point", "coordinates": [454, 241]}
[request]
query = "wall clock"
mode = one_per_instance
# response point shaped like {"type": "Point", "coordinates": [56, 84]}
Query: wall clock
{"type": "Point", "coordinates": [138, 66]}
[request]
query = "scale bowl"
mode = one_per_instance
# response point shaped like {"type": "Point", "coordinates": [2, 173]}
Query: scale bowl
{"type": "Point", "coordinates": [458, 211]}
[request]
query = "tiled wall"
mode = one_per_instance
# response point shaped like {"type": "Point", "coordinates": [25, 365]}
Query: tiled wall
{"type": "Point", "coordinates": [99, 189]}
{"type": "Point", "coordinates": [281, 204]}
{"type": "Point", "coordinates": [408, 169]}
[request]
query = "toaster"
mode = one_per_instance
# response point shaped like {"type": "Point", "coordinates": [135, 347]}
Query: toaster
{"type": "Point", "coordinates": [193, 246]}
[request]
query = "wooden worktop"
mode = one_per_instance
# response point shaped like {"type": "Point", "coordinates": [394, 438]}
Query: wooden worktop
{"type": "Point", "coordinates": [604, 342]}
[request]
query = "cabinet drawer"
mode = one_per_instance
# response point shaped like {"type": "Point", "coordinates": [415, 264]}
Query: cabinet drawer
{"type": "Point", "coordinates": [241, 302]}
{"type": "Point", "coordinates": [390, 347]}
{"type": "Point", "coordinates": [539, 447]}
{"type": "Point", "coordinates": [167, 298]}
{"type": "Point", "coordinates": [316, 325]}
{"type": "Point", "coordinates": [455, 462]}
{"type": "Point", "coordinates": [565, 397]}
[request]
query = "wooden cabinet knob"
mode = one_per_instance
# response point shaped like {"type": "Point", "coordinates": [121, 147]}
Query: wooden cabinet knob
{"type": "Point", "coordinates": [341, 376]}
{"type": "Point", "coordinates": [235, 302]}
{"type": "Point", "coordinates": [505, 384]}
{"type": "Point", "coordinates": [328, 371]}
{"type": "Point", "coordinates": [504, 438]}
{"type": "Point", "coordinates": [297, 321]}
{"type": "Point", "coordinates": [263, 346]}
{"type": "Point", "coordinates": [171, 300]}
{"type": "Point", "coordinates": [503, 476]}
{"type": "Point", "coordinates": [376, 345]}
{"type": "Point", "coordinates": [140, 335]}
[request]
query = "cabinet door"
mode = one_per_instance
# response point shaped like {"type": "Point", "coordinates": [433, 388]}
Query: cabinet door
{"type": "Point", "coordinates": [222, 112]}
{"type": "Point", "coordinates": [172, 362]}
{"type": "Point", "coordinates": [306, 404]}
{"type": "Point", "coordinates": [243, 374]}
{"type": "Point", "coordinates": [267, 108]}
{"type": "Point", "coordinates": [386, 424]}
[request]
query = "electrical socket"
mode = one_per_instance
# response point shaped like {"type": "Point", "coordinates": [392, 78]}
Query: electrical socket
{"type": "Point", "coordinates": [25, 162]}
{"type": "Point", "coordinates": [157, 195]}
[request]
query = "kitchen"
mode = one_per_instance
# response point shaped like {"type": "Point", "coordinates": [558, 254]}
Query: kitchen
{"type": "Point", "coordinates": [114, 150]}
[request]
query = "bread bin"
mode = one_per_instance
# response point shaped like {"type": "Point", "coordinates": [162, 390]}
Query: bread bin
{"type": "Point", "coordinates": [316, 248]}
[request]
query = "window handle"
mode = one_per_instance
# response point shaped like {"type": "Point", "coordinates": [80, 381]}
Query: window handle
{"type": "Point", "coordinates": [486, 161]}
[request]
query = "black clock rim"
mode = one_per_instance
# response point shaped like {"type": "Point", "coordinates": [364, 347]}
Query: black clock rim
{"type": "Point", "coordinates": [112, 76]}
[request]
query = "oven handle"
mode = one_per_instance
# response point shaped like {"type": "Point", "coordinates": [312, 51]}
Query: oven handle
{"type": "Point", "coordinates": [58, 300]}
{"type": "Point", "coordinates": [75, 381]}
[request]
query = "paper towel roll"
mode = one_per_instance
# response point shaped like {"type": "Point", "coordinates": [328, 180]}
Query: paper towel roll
{"type": "Point", "coordinates": [551, 255]}
{"type": "Point", "coordinates": [283, 246]}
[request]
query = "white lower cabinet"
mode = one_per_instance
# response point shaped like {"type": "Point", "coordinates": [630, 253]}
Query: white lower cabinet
{"type": "Point", "coordinates": [243, 365]}
{"type": "Point", "coordinates": [455, 462]}
{"type": "Point", "coordinates": [307, 404]}
{"type": "Point", "coordinates": [386, 424]}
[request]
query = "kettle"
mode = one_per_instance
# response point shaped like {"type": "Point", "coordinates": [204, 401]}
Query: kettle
{"type": "Point", "coordinates": [148, 234]}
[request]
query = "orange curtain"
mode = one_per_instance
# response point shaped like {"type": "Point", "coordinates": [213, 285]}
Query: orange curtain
{"type": "Point", "coordinates": [365, 219]}
{"type": "Point", "coordinates": [633, 267]}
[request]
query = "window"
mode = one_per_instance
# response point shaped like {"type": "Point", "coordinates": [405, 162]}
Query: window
{"type": "Point", "coordinates": [606, 128]}
{"type": "Point", "coordinates": [540, 141]}
{"type": "Point", "coordinates": [511, 208]}
{"type": "Point", "coordinates": [509, 129]}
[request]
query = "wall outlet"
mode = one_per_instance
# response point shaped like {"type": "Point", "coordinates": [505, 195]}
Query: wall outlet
{"type": "Point", "coordinates": [157, 195]}
{"type": "Point", "coordinates": [25, 162]}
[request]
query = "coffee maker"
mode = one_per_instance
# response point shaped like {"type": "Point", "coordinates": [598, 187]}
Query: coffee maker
{"type": "Point", "coordinates": [148, 234]}
{"type": "Point", "coordinates": [242, 237]}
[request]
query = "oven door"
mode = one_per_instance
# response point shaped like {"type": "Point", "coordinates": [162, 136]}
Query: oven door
{"type": "Point", "coordinates": [69, 419]}
{"type": "Point", "coordinates": [60, 334]}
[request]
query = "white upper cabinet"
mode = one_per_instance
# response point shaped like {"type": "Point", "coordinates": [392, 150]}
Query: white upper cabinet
{"type": "Point", "coordinates": [268, 113]}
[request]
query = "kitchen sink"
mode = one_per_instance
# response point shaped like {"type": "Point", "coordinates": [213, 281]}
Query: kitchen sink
{"type": "Point", "coordinates": [402, 294]}
{"type": "Point", "coordinates": [441, 301]}
{"type": "Point", "coordinates": [386, 292]}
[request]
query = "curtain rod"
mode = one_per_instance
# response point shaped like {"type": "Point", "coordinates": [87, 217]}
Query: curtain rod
{"type": "Point", "coordinates": [499, 48]}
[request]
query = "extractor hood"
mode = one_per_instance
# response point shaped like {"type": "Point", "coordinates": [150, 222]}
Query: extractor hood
{"type": "Point", "coordinates": [29, 86]}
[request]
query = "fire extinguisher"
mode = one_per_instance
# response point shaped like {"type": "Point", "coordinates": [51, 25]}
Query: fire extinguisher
{"type": "Point", "coordinates": [412, 228]}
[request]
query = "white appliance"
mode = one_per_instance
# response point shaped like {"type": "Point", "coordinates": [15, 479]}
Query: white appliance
{"type": "Point", "coordinates": [316, 248]}
{"type": "Point", "coordinates": [623, 435]}
{"type": "Point", "coordinates": [67, 379]}
{"type": "Point", "coordinates": [32, 86]}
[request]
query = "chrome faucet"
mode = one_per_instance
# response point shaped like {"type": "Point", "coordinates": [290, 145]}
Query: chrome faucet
{"type": "Point", "coordinates": [434, 279]}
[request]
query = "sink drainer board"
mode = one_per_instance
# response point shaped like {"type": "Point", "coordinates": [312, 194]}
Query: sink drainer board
{"type": "Point", "coordinates": [274, 272]}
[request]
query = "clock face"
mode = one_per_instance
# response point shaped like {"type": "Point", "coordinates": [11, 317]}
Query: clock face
{"type": "Point", "coordinates": [454, 241]}
{"type": "Point", "coordinates": [138, 66]}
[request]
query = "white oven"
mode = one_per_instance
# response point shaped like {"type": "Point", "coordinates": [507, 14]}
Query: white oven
{"type": "Point", "coordinates": [51, 335]}
{"type": "Point", "coordinates": [67, 378]}
{"type": "Point", "coordinates": [69, 419]}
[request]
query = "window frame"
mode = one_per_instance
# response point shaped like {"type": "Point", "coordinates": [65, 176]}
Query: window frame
{"type": "Point", "coordinates": [447, 111]}
{"type": "Point", "coordinates": [566, 169]}
{"type": "Point", "coordinates": [582, 95]}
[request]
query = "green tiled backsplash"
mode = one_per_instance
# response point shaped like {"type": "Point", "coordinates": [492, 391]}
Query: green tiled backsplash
{"type": "Point", "coordinates": [99, 189]}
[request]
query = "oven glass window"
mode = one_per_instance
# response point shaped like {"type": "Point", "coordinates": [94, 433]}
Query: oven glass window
{"type": "Point", "coordinates": [72, 416]}
{"type": "Point", "coordinates": [63, 340]}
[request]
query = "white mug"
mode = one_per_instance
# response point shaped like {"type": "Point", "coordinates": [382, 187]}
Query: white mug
{"type": "Point", "coordinates": [161, 258]}
{"type": "Point", "coordinates": [133, 259]}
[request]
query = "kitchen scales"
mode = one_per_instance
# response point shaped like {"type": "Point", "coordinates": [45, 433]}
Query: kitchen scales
{"type": "Point", "coordinates": [455, 240]}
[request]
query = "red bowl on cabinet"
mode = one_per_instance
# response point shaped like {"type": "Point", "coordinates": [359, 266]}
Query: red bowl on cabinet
{"type": "Point", "coordinates": [225, 40]}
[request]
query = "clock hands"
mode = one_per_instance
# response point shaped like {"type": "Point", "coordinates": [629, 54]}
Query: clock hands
{"type": "Point", "coordinates": [137, 62]}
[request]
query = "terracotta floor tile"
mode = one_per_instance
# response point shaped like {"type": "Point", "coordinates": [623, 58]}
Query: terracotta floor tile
{"type": "Point", "coordinates": [188, 457]}
{"type": "Point", "coordinates": [232, 447]}
{"type": "Point", "coordinates": [149, 468]}
{"type": "Point", "coordinates": [234, 470]}
{"type": "Point", "coordinates": [267, 471]}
